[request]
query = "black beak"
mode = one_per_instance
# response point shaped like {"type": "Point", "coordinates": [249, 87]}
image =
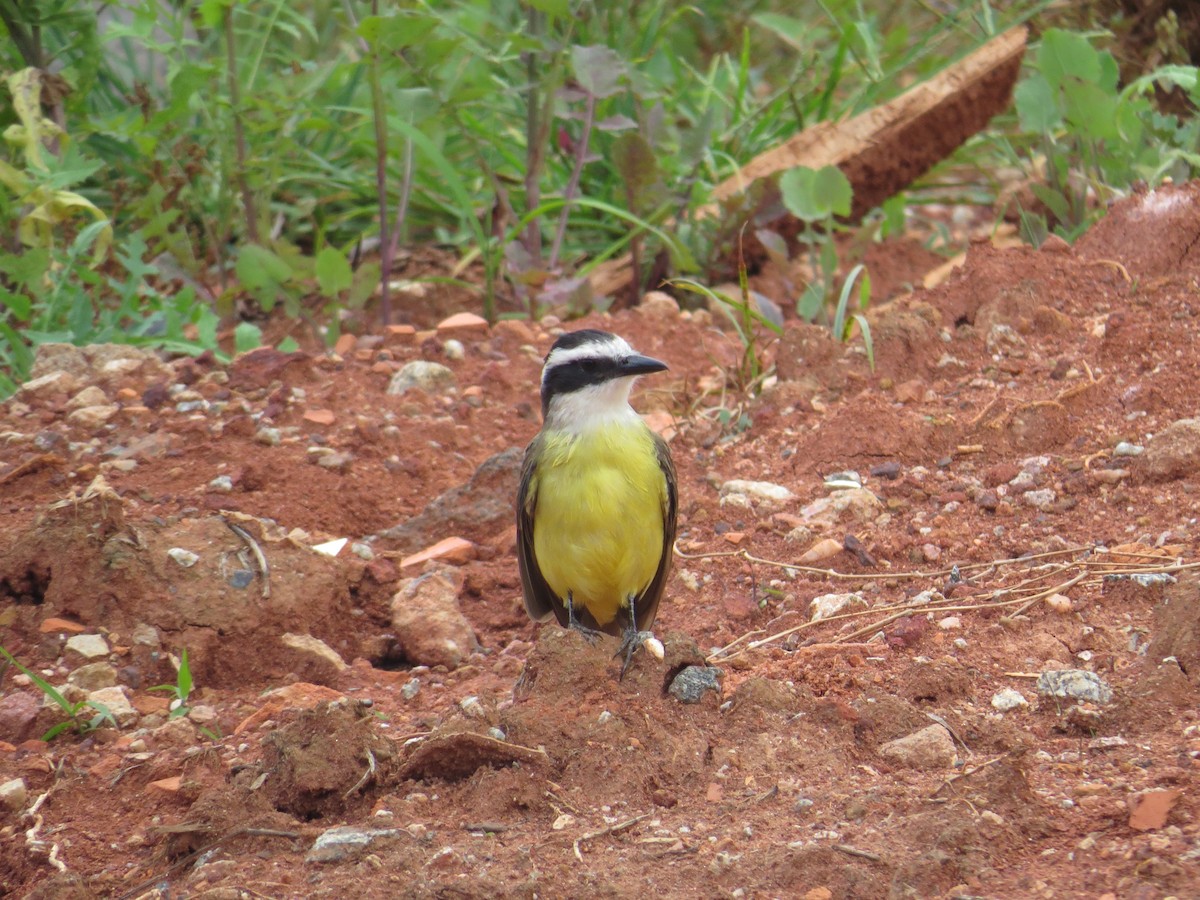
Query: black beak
{"type": "Point", "coordinates": [641, 365]}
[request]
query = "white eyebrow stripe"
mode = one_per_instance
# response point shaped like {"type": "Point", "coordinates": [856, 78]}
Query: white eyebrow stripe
{"type": "Point", "coordinates": [615, 348]}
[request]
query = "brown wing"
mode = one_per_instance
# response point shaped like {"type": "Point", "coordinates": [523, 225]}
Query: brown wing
{"type": "Point", "coordinates": [647, 603]}
{"type": "Point", "coordinates": [540, 601]}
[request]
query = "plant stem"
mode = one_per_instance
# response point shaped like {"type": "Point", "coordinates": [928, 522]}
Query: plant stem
{"type": "Point", "coordinates": [535, 138]}
{"type": "Point", "coordinates": [573, 185]}
{"type": "Point", "coordinates": [239, 131]}
{"type": "Point", "coordinates": [378, 114]}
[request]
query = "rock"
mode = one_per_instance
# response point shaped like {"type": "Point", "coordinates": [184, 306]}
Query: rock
{"type": "Point", "coordinates": [1074, 684]}
{"type": "Point", "coordinates": [1003, 340]}
{"type": "Point", "coordinates": [1149, 809]}
{"type": "Point", "coordinates": [93, 676]}
{"type": "Point", "coordinates": [1040, 499]}
{"type": "Point", "coordinates": [92, 416]}
{"type": "Point", "coordinates": [472, 707]}
{"type": "Point", "coordinates": [116, 702]}
{"type": "Point", "coordinates": [18, 711]}
{"type": "Point", "coordinates": [343, 841]}
{"type": "Point", "coordinates": [222, 484]}
{"type": "Point", "coordinates": [767, 496]}
{"type": "Point", "coordinates": [929, 748]}
{"type": "Point", "coordinates": [1124, 448]}
{"type": "Point", "coordinates": [53, 624]}
{"type": "Point", "coordinates": [89, 396]}
{"type": "Point", "coordinates": [319, 663]}
{"type": "Point", "coordinates": [89, 646]}
{"type": "Point", "coordinates": [454, 350]}
{"type": "Point", "coordinates": [473, 510]}
{"type": "Point", "coordinates": [430, 628]}
{"type": "Point", "coordinates": [185, 558]}
{"type": "Point", "coordinates": [658, 305]}
{"type": "Point", "coordinates": [827, 605]}
{"type": "Point", "coordinates": [176, 732]}
{"type": "Point", "coordinates": [454, 550]}
{"type": "Point", "coordinates": [1008, 700]}
{"type": "Point", "coordinates": [65, 358]}
{"type": "Point", "coordinates": [13, 795]}
{"type": "Point", "coordinates": [694, 682]}
{"type": "Point", "coordinates": [463, 324]}
{"type": "Point", "coordinates": [429, 377]}
{"type": "Point", "coordinates": [202, 714]}
{"type": "Point", "coordinates": [857, 505]}
{"type": "Point", "coordinates": [46, 386]}
{"type": "Point", "coordinates": [146, 635]}
{"type": "Point", "coordinates": [1172, 453]}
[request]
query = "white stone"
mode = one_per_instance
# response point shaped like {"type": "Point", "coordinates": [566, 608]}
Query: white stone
{"type": "Point", "coordinates": [306, 643]}
{"type": "Point", "coordinates": [185, 558]}
{"type": "Point", "coordinates": [827, 605]}
{"type": "Point", "coordinates": [13, 795]}
{"type": "Point", "coordinates": [1008, 699]}
{"type": "Point", "coordinates": [89, 646]}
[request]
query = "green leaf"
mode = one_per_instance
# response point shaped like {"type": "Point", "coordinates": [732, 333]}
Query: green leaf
{"type": "Point", "coordinates": [1037, 105]}
{"type": "Point", "coordinates": [212, 12]}
{"type": "Point", "coordinates": [184, 680]}
{"type": "Point", "coordinates": [558, 9]}
{"type": "Point", "coordinates": [1091, 109]}
{"type": "Point", "coordinates": [814, 195]}
{"type": "Point", "coordinates": [246, 336]}
{"type": "Point", "coordinates": [634, 159]}
{"type": "Point", "coordinates": [287, 345]}
{"type": "Point", "coordinates": [258, 267]}
{"type": "Point", "coordinates": [598, 69]}
{"type": "Point", "coordinates": [396, 32]}
{"type": "Point", "coordinates": [1064, 54]}
{"type": "Point", "coordinates": [334, 274]}
{"type": "Point", "coordinates": [788, 29]}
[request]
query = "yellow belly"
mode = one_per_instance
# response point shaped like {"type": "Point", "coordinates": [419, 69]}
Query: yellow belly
{"type": "Point", "coordinates": [598, 528]}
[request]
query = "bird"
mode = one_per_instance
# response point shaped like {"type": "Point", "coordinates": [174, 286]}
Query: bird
{"type": "Point", "coordinates": [597, 502]}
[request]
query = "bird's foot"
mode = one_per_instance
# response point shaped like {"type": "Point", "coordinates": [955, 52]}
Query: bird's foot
{"type": "Point", "coordinates": [591, 635]}
{"type": "Point", "coordinates": [631, 640]}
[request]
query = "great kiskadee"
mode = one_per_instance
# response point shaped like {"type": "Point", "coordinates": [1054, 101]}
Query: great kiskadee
{"type": "Point", "coordinates": [597, 503]}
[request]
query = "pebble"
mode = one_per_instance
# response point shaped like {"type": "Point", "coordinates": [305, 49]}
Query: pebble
{"type": "Point", "coordinates": [498, 734]}
{"type": "Point", "coordinates": [827, 605]}
{"type": "Point", "coordinates": [1008, 700]}
{"type": "Point", "coordinates": [269, 436]}
{"type": "Point", "coordinates": [410, 688]}
{"type": "Point", "coordinates": [335, 844]}
{"type": "Point", "coordinates": [929, 748]}
{"type": "Point", "coordinates": [1074, 684]}
{"type": "Point", "coordinates": [13, 795]}
{"type": "Point", "coordinates": [426, 376]}
{"type": "Point", "coordinates": [202, 714]}
{"type": "Point", "coordinates": [691, 684]}
{"type": "Point", "coordinates": [764, 492]}
{"type": "Point", "coordinates": [1124, 448]}
{"type": "Point", "coordinates": [472, 707]}
{"type": "Point", "coordinates": [1041, 499]}
{"type": "Point", "coordinates": [185, 558]}
{"type": "Point", "coordinates": [93, 676]}
{"type": "Point", "coordinates": [89, 646]}
{"type": "Point", "coordinates": [454, 349]}
{"type": "Point", "coordinates": [222, 484]}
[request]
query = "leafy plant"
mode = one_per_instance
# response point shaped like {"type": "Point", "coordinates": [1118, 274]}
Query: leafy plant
{"type": "Point", "coordinates": [842, 326]}
{"type": "Point", "coordinates": [182, 688]}
{"type": "Point", "coordinates": [1095, 138]}
{"type": "Point", "coordinates": [75, 712]}
{"type": "Point", "coordinates": [816, 197]}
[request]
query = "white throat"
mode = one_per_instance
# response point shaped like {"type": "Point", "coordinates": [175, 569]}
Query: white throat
{"type": "Point", "coordinates": [593, 407]}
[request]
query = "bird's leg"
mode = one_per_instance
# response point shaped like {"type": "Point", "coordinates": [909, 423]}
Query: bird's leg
{"type": "Point", "coordinates": [631, 639]}
{"type": "Point", "coordinates": [589, 634]}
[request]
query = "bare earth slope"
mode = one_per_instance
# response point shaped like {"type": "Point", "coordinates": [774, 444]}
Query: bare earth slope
{"type": "Point", "coordinates": [1029, 505]}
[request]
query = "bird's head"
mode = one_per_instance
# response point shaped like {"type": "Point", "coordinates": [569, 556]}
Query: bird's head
{"type": "Point", "coordinates": [587, 378]}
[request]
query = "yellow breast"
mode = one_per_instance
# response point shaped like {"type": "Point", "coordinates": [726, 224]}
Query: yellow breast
{"type": "Point", "coordinates": [598, 528]}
